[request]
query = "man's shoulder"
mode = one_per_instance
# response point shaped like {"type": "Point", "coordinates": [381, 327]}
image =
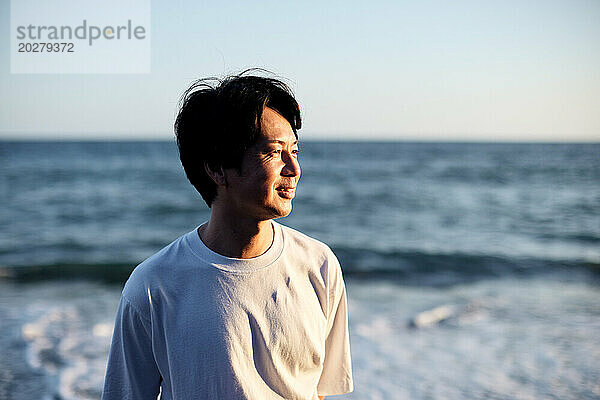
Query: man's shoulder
{"type": "Point", "coordinates": [295, 236]}
{"type": "Point", "coordinates": [156, 268]}
{"type": "Point", "coordinates": [312, 255]}
{"type": "Point", "coordinates": [303, 243]}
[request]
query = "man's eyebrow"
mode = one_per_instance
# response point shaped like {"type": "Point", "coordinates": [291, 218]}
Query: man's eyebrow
{"type": "Point", "coordinates": [281, 141]}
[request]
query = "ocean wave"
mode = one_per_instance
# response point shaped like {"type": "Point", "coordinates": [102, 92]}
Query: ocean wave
{"type": "Point", "coordinates": [101, 272]}
{"type": "Point", "coordinates": [410, 267]}
{"type": "Point", "coordinates": [434, 268]}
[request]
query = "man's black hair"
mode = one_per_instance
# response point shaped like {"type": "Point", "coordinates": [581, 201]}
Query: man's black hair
{"type": "Point", "coordinates": [219, 119]}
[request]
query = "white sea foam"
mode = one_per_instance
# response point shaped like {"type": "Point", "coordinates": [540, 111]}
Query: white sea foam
{"type": "Point", "coordinates": [68, 337]}
{"type": "Point", "coordinates": [506, 338]}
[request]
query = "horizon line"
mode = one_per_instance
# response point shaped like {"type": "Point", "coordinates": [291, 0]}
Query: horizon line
{"type": "Point", "coordinates": [308, 139]}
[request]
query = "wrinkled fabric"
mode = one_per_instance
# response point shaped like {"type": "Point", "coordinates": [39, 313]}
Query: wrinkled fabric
{"type": "Point", "coordinates": [194, 324]}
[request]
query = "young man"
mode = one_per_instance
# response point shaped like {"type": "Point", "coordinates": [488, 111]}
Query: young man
{"type": "Point", "coordinates": [241, 307]}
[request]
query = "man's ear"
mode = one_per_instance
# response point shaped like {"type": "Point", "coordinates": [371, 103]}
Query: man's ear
{"type": "Point", "coordinates": [216, 174]}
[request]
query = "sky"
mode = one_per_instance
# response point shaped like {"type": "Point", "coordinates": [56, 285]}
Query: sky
{"type": "Point", "coordinates": [397, 70]}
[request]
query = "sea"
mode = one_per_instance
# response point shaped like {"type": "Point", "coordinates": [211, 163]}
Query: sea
{"type": "Point", "coordinates": [472, 269]}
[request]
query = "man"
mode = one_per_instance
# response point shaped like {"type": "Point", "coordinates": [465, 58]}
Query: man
{"type": "Point", "coordinates": [241, 307]}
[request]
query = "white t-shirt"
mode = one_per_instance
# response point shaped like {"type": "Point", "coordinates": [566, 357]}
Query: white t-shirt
{"type": "Point", "coordinates": [197, 325]}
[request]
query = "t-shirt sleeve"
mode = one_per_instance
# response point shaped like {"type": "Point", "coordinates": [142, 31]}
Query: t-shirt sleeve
{"type": "Point", "coordinates": [336, 377]}
{"type": "Point", "coordinates": [131, 372]}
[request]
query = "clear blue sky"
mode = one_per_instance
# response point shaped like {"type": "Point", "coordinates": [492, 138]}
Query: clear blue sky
{"type": "Point", "coordinates": [425, 70]}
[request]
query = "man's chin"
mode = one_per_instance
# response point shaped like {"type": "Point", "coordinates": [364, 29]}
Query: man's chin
{"type": "Point", "coordinates": [282, 212]}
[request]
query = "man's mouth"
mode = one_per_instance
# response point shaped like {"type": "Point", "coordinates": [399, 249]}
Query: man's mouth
{"type": "Point", "coordinates": [286, 191]}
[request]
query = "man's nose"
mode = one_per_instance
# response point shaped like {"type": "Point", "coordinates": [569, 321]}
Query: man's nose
{"type": "Point", "coordinates": [292, 166]}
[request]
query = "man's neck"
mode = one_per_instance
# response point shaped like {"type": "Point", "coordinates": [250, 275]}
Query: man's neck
{"type": "Point", "coordinates": [237, 237]}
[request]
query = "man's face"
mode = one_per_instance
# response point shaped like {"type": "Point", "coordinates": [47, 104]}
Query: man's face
{"type": "Point", "coordinates": [269, 172]}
